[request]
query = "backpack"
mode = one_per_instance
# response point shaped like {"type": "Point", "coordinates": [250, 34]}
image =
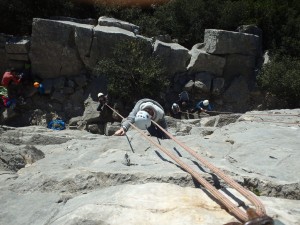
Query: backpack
{"type": "Point", "coordinates": [184, 96]}
{"type": "Point", "coordinates": [56, 125]}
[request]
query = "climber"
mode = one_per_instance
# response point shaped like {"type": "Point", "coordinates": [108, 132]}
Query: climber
{"type": "Point", "coordinates": [40, 87]}
{"type": "Point", "coordinates": [184, 106]}
{"type": "Point", "coordinates": [102, 100]}
{"type": "Point", "coordinates": [202, 106]}
{"type": "Point", "coordinates": [141, 115]}
{"type": "Point", "coordinates": [105, 114]}
{"type": "Point", "coordinates": [176, 111]}
{"type": "Point", "coordinates": [184, 101]}
{"type": "Point", "coordinates": [10, 77]}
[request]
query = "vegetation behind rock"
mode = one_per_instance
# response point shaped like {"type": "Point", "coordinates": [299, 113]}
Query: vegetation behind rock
{"type": "Point", "coordinates": [185, 21]}
{"type": "Point", "coordinates": [132, 73]}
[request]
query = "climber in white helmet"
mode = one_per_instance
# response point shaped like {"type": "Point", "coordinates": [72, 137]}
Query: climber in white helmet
{"type": "Point", "coordinates": [202, 106]}
{"type": "Point", "coordinates": [102, 100]}
{"type": "Point", "coordinates": [141, 115]}
{"type": "Point", "coordinates": [176, 111]}
{"type": "Point", "coordinates": [182, 106]}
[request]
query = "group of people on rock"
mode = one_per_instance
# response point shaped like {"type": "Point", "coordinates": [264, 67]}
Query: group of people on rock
{"type": "Point", "coordinates": [147, 110]}
{"type": "Point", "coordinates": [11, 89]}
{"type": "Point", "coordinates": [183, 105]}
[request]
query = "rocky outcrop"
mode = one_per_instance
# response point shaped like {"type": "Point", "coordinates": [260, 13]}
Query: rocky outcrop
{"type": "Point", "coordinates": [65, 51]}
{"type": "Point", "coordinates": [53, 50]}
{"type": "Point", "coordinates": [173, 55]}
{"type": "Point", "coordinates": [203, 61]}
{"type": "Point", "coordinates": [112, 22]}
{"type": "Point", "coordinates": [14, 52]}
{"type": "Point", "coordinates": [221, 42]}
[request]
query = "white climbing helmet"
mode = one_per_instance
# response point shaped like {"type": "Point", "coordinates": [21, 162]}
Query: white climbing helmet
{"type": "Point", "coordinates": [205, 102]}
{"type": "Point", "coordinates": [142, 120]}
{"type": "Point", "coordinates": [100, 94]}
{"type": "Point", "coordinates": [175, 108]}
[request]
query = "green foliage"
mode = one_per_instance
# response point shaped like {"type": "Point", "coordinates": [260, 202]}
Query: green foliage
{"type": "Point", "coordinates": [186, 21]}
{"type": "Point", "coordinates": [16, 15]}
{"type": "Point", "coordinates": [281, 77]}
{"type": "Point", "coordinates": [133, 72]}
{"type": "Point", "coordinates": [256, 192]}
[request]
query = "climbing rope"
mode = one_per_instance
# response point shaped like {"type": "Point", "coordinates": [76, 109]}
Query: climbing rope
{"type": "Point", "coordinates": [251, 197]}
{"type": "Point", "coordinates": [230, 206]}
{"type": "Point", "coordinates": [252, 114]}
{"type": "Point", "coordinates": [255, 114]}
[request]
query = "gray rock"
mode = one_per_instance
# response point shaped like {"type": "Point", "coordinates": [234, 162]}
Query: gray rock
{"type": "Point", "coordinates": [173, 55]}
{"type": "Point", "coordinates": [112, 22]}
{"type": "Point", "coordinates": [202, 61]}
{"type": "Point", "coordinates": [54, 41]}
{"type": "Point", "coordinates": [17, 45]}
{"type": "Point", "coordinates": [83, 176]}
{"type": "Point", "coordinates": [227, 42]}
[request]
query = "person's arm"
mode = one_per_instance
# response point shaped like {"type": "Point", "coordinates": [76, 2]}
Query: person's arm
{"type": "Point", "coordinates": [16, 79]}
{"type": "Point", "coordinates": [209, 108]}
{"type": "Point", "coordinates": [197, 107]}
{"type": "Point", "coordinates": [126, 122]}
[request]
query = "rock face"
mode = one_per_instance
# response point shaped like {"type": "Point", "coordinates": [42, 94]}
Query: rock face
{"type": "Point", "coordinates": [75, 177]}
{"type": "Point", "coordinates": [54, 43]}
{"type": "Point", "coordinates": [64, 48]}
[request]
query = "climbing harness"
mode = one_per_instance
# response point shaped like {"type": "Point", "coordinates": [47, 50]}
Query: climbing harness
{"type": "Point", "coordinates": [230, 206]}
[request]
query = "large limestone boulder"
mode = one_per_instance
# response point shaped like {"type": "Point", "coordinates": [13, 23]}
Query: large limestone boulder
{"type": "Point", "coordinates": [174, 56]}
{"type": "Point", "coordinates": [105, 41]}
{"type": "Point", "coordinates": [53, 51]}
{"type": "Point", "coordinates": [202, 61]}
{"type": "Point", "coordinates": [222, 42]}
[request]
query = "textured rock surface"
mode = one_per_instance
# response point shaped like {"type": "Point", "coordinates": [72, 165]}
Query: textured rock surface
{"type": "Point", "coordinates": [85, 178]}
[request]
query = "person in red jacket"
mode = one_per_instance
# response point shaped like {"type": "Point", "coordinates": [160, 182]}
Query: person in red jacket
{"type": "Point", "coordinates": [9, 77]}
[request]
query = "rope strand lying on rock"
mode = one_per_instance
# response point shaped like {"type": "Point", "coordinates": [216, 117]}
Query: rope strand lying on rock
{"type": "Point", "coordinates": [254, 119]}
{"type": "Point", "coordinates": [230, 206]}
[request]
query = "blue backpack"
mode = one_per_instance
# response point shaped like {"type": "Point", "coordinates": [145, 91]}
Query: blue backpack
{"type": "Point", "coordinates": [56, 125]}
{"type": "Point", "coordinates": [184, 96]}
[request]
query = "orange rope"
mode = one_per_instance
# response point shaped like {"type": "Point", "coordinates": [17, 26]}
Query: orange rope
{"type": "Point", "coordinates": [251, 197]}
{"type": "Point", "coordinates": [255, 114]}
{"type": "Point", "coordinates": [232, 208]}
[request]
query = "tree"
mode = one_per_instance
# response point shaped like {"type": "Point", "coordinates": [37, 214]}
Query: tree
{"type": "Point", "coordinates": [133, 72]}
{"type": "Point", "coordinates": [281, 78]}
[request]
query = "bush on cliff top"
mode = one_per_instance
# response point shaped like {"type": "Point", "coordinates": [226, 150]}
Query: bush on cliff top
{"type": "Point", "coordinates": [133, 73]}
{"type": "Point", "coordinates": [281, 77]}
